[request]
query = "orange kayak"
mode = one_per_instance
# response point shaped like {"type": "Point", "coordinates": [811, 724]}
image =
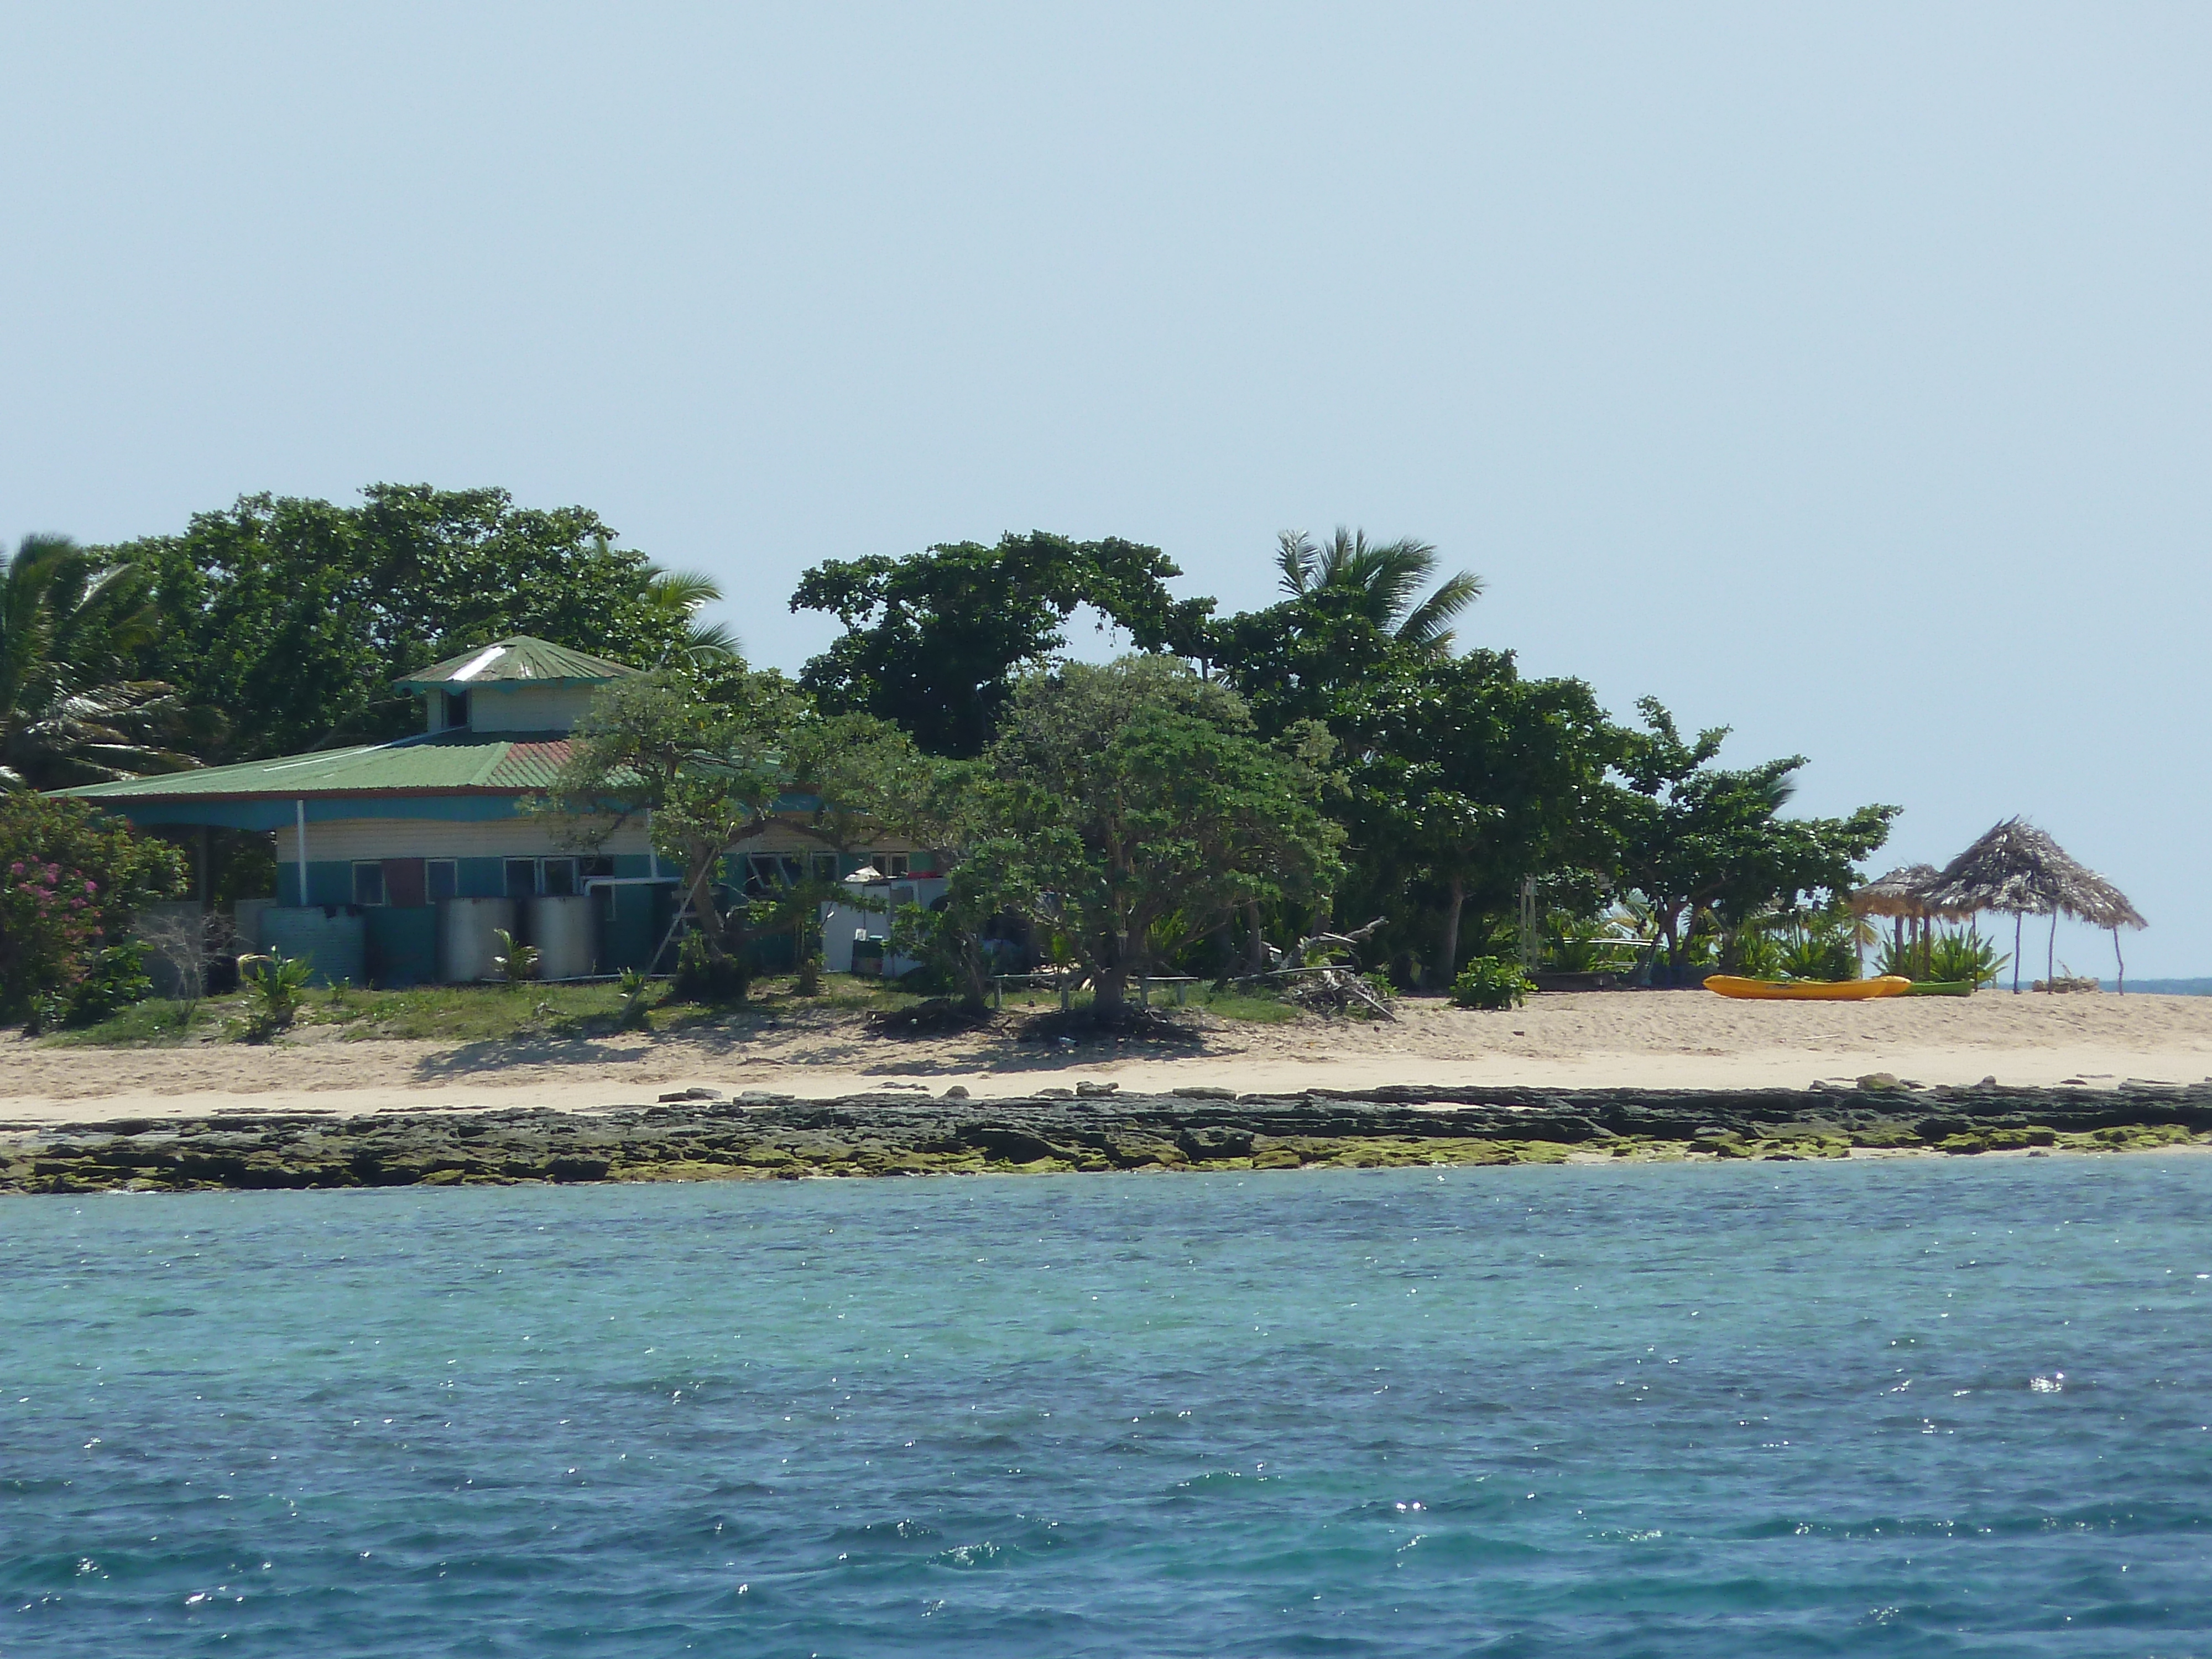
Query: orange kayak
{"type": "Point", "coordinates": [1809, 990]}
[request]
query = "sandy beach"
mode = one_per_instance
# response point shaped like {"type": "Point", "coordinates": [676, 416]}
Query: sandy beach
{"type": "Point", "coordinates": [1659, 1040]}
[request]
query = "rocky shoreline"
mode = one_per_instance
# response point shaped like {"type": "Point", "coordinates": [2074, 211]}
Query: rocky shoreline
{"type": "Point", "coordinates": [698, 1134]}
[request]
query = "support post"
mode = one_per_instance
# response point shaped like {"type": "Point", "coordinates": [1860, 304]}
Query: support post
{"type": "Point", "coordinates": [2019, 917]}
{"type": "Point", "coordinates": [2122, 960]}
{"type": "Point", "coordinates": [300, 844]}
{"type": "Point", "coordinates": [2050, 958]}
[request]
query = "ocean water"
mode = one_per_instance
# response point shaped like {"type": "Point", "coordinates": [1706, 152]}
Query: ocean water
{"type": "Point", "coordinates": [1908, 1407]}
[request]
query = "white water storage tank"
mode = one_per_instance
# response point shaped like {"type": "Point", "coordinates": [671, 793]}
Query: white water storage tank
{"type": "Point", "coordinates": [561, 928]}
{"type": "Point", "coordinates": [465, 944]}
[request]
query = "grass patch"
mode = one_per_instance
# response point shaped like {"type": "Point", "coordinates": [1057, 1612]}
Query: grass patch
{"type": "Point", "coordinates": [156, 1023]}
{"type": "Point", "coordinates": [468, 1013]}
{"type": "Point", "coordinates": [484, 1014]}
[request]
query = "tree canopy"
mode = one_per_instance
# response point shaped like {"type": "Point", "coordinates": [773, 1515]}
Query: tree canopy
{"type": "Point", "coordinates": [1708, 848]}
{"type": "Point", "coordinates": [1136, 794]}
{"type": "Point", "coordinates": [1465, 776]}
{"type": "Point", "coordinates": [934, 640]}
{"type": "Point", "coordinates": [282, 621]}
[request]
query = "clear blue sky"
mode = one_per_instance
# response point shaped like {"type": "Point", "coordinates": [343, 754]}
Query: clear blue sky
{"type": "Point", "coordinates": [1841, 375]}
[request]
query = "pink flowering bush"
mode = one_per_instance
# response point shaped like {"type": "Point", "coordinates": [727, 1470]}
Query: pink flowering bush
{"type": "Point", "coordinates": [70, 877]}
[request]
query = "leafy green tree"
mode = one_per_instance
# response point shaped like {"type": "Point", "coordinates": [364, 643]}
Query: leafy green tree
{"type": "Point", "coordinates": [933, 641]}
{"type": "Point", "coordinates": [707, 774]}
{"type": "Point", "coordinates": [717, 756]}
{"type": "Point", "coordinates": [1136, 793]}
{"type": "Point", "coordinates": [70, 880]}
{"type": "Point", "coordinates": [69, 711]}
{"type": "Point", "coordinates": [289, 617]}
{"type": "Point", "coordinates": [1708, 848]}
{"type": "Point", "coordinates": [1465, 775]}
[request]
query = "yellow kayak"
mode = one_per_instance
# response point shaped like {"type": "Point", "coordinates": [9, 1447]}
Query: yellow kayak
{"type": "Point", "coordinates": [1844, 990]}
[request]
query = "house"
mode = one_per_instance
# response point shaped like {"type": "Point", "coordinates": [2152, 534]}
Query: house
{"type": "Point", "coordinates": [395, 862]}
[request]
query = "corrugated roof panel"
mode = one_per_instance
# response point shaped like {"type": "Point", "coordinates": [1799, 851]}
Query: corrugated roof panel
{"type": "Point", "coordinates": [528, 765]}
{"type": "Point", "coordinates": [518, 657]}
{"type": "Point", "coordinates": [449, 760]}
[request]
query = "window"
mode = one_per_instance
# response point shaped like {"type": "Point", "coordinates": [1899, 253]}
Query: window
{"type": "Point", "coordinates": [892, 864]}
{"type": "Point", "coordinates": [592, 870]}
{"type": "Point", "coordinates": [823, 866]}
{"type": "Point", "coordinates": [522, 878]}
{"type": "Point", "coordinates": [765, 870]}
{"type": "Point", "coordinates": [368, 883]}
{"type": "Point", "coordinates": [457, 709]}
{"type": "Point", "coordinates": [442, 878]}
{"type": "Point", "coordinates": [560, 877]}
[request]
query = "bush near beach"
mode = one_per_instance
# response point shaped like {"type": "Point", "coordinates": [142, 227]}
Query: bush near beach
{"type": "Point", "coordinates": [69, 879]}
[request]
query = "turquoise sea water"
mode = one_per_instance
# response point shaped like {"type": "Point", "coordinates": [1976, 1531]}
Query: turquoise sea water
{"type": "Point", "coordinates": [1926, 1407]}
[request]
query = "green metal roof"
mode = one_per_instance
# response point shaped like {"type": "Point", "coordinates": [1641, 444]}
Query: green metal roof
{"type": "Point", "coordinates": [520, 658]}
{"type": "Point", "coordinates": [445, 762]}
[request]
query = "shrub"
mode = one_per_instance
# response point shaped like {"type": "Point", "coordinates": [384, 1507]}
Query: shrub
{"type": "Point", "coordinates": [1819, 954]}
{"type": "Point", "coordinates": [69, 879]}
{"type": "Point", "coordinates": [273, 986]}
{"type": "Point", "coordinates": [1964, 954]}
{"type": "Point", "coordinates": [1961, 955]}
{"type": "Point", "coordinates": [1488, 982]}
{"type": "Point", "coordinates": [117, 978]}
{"type": "Point", "coordinates": [635, 984]}
{"type": "Point", "coordinates": [701, 978]}
{"type": "Point", "coordinates": [518, 963]}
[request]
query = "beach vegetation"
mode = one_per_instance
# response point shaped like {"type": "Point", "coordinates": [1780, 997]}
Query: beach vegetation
{"type": "Point", "coordinates": [1342, 751]}
{"type": "Point", "coordinates": [1490, 982]}
{"type": "Point", "coordinates": [1962, 955]}
{"type": "Point", "coordinates": [1128, 794]}
{"type": "Point", "coordinates": [275, 987]}
{"type": "Point", "coordinates": [516, 962]}
{"type": "Point", "coordinates": [1709, 848]}
{"type": "Point", "coordinates": [70, 881]}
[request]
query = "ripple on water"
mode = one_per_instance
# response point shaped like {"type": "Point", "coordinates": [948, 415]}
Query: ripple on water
{"type": "Point", "coordinates": [1724, 1411]}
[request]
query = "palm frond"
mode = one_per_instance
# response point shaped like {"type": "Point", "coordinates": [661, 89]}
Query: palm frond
{"type": "Point", "coordinates": [1296, 557]}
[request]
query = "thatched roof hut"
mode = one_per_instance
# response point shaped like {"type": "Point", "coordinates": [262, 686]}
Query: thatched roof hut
{"type": "Point", "coordinates": [2020, 871]}
{"type": "Point", "coordinates": [1902, 892]}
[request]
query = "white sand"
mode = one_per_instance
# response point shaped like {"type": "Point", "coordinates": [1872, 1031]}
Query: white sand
{"type": "Point", "coordinates": [1672, 1039]}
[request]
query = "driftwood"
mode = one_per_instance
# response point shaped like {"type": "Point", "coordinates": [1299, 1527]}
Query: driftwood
{"type": "Point", "coordinates": [1324, 986]}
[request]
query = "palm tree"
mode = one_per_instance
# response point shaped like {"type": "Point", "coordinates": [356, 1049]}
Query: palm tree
{"type": "Point", "coordinates": [679, 595]}
{"type": "Point", "coordinates": [1386, 578]}
{"type": "Point", "coordinates": [68, 714]}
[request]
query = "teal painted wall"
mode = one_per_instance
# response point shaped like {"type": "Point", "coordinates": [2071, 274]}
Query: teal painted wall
{"type": "Point", "coordinates": [334, 941]}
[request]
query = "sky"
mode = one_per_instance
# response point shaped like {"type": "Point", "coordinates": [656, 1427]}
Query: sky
{"type": "Point", "coordinates": [1843, 375]}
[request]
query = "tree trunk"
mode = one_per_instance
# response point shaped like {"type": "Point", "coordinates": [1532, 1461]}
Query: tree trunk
{"type": "Point", "coordinates": [1456, 903]}
{"type": "Point", "coordinates": [1255, 948]}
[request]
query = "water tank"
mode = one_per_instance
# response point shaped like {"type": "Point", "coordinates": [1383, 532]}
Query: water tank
{"type": "Point", "coordinates": [561, 928]}
{"type": "Point", "coordinates": [465, 944]}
